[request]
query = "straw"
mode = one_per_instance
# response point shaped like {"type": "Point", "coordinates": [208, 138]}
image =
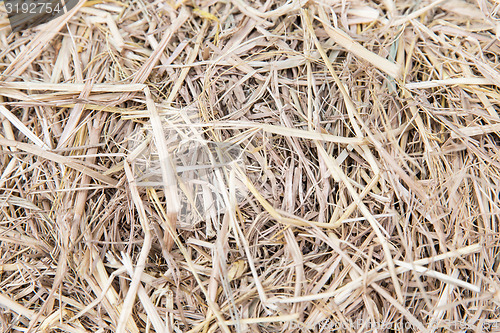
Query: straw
{"type": "Point", "coordinates": [251, 166]}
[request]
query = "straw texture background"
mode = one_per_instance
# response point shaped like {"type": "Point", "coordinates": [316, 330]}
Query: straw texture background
{"type": "Point", "coordinates": [363, 195]}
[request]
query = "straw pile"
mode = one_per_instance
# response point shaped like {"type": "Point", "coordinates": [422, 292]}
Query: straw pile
{"type": "Point", "coordinates": [351, 155]}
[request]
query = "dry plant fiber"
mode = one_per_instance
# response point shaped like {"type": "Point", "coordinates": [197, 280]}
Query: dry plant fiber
{"type": "Point", "coordinates": [251, 166]}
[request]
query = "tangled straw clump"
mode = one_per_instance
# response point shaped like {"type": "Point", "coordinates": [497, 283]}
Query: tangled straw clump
{"type": "Point", "coordinates": [363, 194]}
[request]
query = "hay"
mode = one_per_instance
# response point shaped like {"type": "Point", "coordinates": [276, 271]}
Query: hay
{"type": "Point", "coordinates": [251, 167]}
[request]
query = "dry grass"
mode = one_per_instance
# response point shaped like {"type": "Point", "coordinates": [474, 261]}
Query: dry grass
{"type": "Point", "coordinates": [252, 167]}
